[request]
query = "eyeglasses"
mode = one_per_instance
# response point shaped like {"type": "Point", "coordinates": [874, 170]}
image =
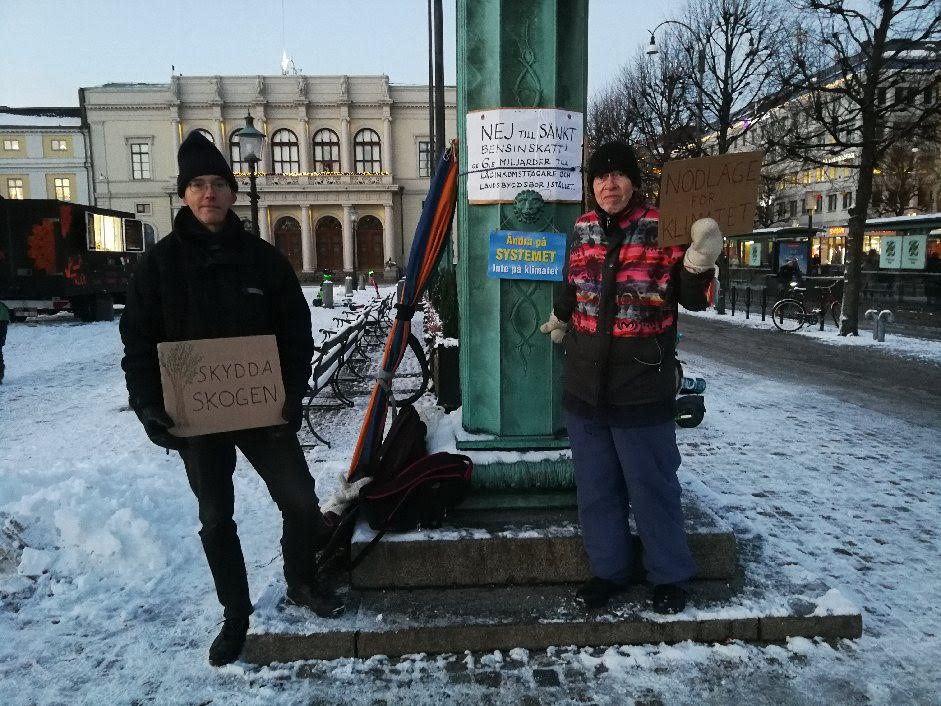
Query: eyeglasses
{"type": "Point", "coordinates": [199, 186]}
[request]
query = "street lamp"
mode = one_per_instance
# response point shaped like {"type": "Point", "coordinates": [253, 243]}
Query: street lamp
{"type": "Point", "coordinates": [354, 217]}
{"type": "Point", "coordinates": [250, 140]}
{"type": "Point", "coordinates": [653, 49]}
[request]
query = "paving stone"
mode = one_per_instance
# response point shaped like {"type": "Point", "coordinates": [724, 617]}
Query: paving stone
{"type": "Point", "coordinates": [546, 678]}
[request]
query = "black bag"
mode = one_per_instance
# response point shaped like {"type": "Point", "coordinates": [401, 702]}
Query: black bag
{"type": "Point", "coordinates": [403, 445]}
{"type": "Point", "coordinates": [420, 495]}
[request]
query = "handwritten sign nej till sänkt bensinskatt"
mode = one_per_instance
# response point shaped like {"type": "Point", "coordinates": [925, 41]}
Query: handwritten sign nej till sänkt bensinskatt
{"type": "Point", "coordinates": [724, 187]}
{"type": "Point", "coordinates": [221, 384]}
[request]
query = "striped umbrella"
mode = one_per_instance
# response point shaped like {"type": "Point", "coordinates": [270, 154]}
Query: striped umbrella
{"type": "Point", "coordinates": [427, 245]}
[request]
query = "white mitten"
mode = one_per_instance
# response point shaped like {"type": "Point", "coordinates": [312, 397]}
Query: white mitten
{"type": "Point", "coordinates": [555, 328]}
{"type": "Point", "coordinates": [345, 494]}
{"type": "Point", "coordinates": [706, 245]}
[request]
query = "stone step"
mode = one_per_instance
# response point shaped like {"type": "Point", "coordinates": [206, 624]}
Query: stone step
{"type": "Point", "coordinates": [397, 622]}
{"type": "Point", "coordinates": [485, 545]}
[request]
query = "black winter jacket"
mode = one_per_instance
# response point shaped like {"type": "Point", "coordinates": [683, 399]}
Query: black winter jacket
{"type": "Point", "coordinates": [196, 284]}
{"type": "Point", "coordinates": [603, 371]}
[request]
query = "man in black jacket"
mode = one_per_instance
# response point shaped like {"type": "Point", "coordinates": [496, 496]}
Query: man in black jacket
{"type": "Point", "coordinates": [210, 278]}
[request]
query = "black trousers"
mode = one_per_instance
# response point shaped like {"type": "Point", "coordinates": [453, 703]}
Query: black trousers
{"type": "Point", "coordinates": [277, 456]}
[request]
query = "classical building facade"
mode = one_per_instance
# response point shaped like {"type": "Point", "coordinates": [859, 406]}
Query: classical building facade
{"type": "Point", "coordinates": [44, 155]}
{"type": "Point", "coordinates": [345, 169]}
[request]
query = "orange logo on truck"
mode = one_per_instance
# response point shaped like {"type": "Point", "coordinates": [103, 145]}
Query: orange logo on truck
{"type": "Point", "coordinates": [42, 247]}
{"type": "Point", "coordinates": [73, 271]}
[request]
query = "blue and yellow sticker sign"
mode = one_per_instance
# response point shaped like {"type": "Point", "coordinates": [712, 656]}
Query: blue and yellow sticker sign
{"type": "Point", "coordinates": [524, 255]}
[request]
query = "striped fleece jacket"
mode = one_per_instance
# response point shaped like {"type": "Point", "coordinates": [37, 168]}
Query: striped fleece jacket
{"type": "Point", "coordinates": [620, 295]}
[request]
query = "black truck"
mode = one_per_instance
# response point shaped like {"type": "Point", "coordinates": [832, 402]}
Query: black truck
{"type": "Point", "coordinates": [56, 255]}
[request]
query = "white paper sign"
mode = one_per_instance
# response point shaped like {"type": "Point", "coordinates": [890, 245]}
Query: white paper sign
{"type": "Point", "coordinates": [890, 252]}
{"type": "Point", "coordinates": [914, 252]}
{"type": "Point", "coordinates": [518, 149]}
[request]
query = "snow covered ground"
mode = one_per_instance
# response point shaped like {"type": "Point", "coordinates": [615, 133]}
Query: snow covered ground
{"type": "Point", "coordinates": [122, 609]}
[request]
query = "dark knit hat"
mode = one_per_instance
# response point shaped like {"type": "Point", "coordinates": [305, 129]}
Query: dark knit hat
{"type": "Point", "coordinates": [611, 157]}
{"type": "Point", "coordinates": [198, 157]}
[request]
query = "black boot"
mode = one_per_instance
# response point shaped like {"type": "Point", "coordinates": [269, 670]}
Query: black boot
{"type": "Point", "coordinates": [315, 597]}
{"type": "Point", "coordinates": [228, 644]}
{"type": "Point", "coordinates": [596, 592]}
{"type": "Point", "coordinates": [669, 598]}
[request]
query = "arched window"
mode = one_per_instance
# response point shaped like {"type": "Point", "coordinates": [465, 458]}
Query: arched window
{"type": "Point", "coordinates": [367, 151]}
{"type": "Point", "coordinates": [235, 153]}
{"type": "Point", "coordinates": [326, 151]}
{"type": "Point", "coordinates": [206, 134]}
{"type": "Point", "coordinates": [284, 156]}
{"type": "Point", "coordinates": [287, 238]}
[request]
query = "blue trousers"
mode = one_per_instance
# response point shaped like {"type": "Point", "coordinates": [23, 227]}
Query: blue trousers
{"type": "Point", "coordinates": [620, 469]}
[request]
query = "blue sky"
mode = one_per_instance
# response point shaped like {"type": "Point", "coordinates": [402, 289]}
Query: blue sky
{"type": "Point", "coordinates": [52, 47]}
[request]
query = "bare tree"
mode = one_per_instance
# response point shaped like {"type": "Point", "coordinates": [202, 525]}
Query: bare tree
{"type": "Point", "coordinates": [734, 57]}
{"type": "Point", "coordinates": [904, 179]}
{"type": "Point", "coordinates": [609, 118]}
{"type": "Point", "coordinates": [866, 80]}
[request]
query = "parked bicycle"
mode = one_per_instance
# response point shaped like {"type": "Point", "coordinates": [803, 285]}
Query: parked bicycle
{"type": "Point", "coordinates": [790, 313]}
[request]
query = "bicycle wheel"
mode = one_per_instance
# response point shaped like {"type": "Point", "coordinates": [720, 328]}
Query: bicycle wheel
{"type": "Point", "coordinates": [411, 379]}
{"type": "Point", "coordinates": [788, 315]}
{"type": "Point", "coordinates": [836, 310]}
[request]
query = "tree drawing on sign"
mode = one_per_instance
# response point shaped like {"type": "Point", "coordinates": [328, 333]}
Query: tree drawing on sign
{"type": "Point", "coordinates": [180, 363]}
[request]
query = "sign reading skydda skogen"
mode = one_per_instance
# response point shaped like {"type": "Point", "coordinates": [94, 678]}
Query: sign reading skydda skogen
{"type": "Point", "coordinates": [221, 384]}
{"type": "Point", "coordinates": [724, 188]}
{"type": "Point", "coordinates": [517, 149]}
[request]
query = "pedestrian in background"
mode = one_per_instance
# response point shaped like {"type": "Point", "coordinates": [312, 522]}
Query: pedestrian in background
{"type": "Point", "coordinates": [615, 316]}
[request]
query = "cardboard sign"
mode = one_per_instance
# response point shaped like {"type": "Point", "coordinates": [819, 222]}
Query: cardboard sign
{"type": "Point", "coordinates": [221, 384]}
{"type": "Point", "coordinates": [526, 255]}
{"type": "Point", "coordinates": [724, 188]}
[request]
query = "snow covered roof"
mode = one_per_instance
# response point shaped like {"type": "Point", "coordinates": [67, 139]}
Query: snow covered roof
{"type": "Point", "coordinates": [40, 117]}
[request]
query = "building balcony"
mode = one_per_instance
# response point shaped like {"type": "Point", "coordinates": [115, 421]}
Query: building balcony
{"type": "Point", "coordinates": [306, 180]}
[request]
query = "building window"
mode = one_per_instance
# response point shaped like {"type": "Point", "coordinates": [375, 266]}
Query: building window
{"type": "Point", "coordinates": [63, 187]}
{"type": "Point", "coordinates": [235, 153]}
{"type": "Point", "coordinates": [206, 134]}
{"type": "Point", "coordinates": [367, 151]}
{"type": "Point", "coordinates": [927, 96]}
{"type": "Point", "coordinates": [142, 209]}
{"type": "Point", "coordinates": [59, 145]}
{"type": "Point", "coordinates": [140, 160]}
{"type": "Point", "coordinates": [792, 208]}
{"type": "Point", "coordinates": [284, 154]}
{"type": "Point", "coordinates": [11, 145]}
{"type": "Point", "coordinates": [15, 189]}
{"type": "Point", "coordinates": [424, 158]}
{"type": "Point", "coordinates": [326, 151]}
{"type": "Point", "coordinates": [847, 200]}
{"type": "Point", "coordinates": [831, 202]}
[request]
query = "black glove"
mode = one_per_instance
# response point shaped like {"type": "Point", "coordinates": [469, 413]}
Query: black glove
{"type": "Point", "coordinates": [293, 414]}
{"type": "Point", "coordinates": [157, 424]}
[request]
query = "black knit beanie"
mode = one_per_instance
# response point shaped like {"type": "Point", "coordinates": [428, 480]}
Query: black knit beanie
{"type": "Point", "coordinates": [199, 157]}
{"type": "Point", "coordinates": [611, 157]}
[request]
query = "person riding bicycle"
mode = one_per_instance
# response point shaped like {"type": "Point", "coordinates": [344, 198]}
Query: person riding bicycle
{"type": "Point", "coordinates": [790, 273]}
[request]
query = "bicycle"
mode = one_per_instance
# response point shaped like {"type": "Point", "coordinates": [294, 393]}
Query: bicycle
{"type": "Point", "coordinates": [789, 314]}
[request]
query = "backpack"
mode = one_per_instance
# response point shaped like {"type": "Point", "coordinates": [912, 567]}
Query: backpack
{"type": "Point", "coordinates": [420, 495]}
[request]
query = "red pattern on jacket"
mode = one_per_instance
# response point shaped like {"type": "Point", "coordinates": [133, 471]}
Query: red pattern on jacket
{"type": "Point", "coordinates": [643, 306]}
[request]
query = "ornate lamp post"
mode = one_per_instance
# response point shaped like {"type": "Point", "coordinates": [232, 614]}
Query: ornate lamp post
{"type": "Point", "coordinates": [354, 219]}
{"type": "Point", "coordinates": [250, 141]}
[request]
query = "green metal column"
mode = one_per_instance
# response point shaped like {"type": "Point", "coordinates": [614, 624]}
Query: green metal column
{"type": "Point", "coordinates": [513, 54]}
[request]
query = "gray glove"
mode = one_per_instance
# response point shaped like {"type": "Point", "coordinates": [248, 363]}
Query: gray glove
{"type": "Point", "coordinates": [705, 247]}
{"type": "Point", "coordinates": [555, 328]}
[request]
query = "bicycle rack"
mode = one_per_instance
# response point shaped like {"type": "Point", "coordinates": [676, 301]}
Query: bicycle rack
{"type": "Point", "coordinates": [879, 321]}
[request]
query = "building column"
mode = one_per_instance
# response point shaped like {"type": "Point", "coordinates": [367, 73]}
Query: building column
{"type": "Point", "coordinates": [346, 146]}
{"type": "Point", "coordinates": [176, 135]}
{"type": "Point", "coordinates": [305, 145]}
{"type": "Point", "coordinates": [347, 239]}
{"type": "Point", "coordinates": [263, 230]}
{"type": "Point", "coordinates": [388, 235]}
{"type": "Point", "coordinates": [308, 251]}
{"type": "Point", "coordinates": [386, 145]}
{"type": "Point", "coordinates": [217, 134]}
